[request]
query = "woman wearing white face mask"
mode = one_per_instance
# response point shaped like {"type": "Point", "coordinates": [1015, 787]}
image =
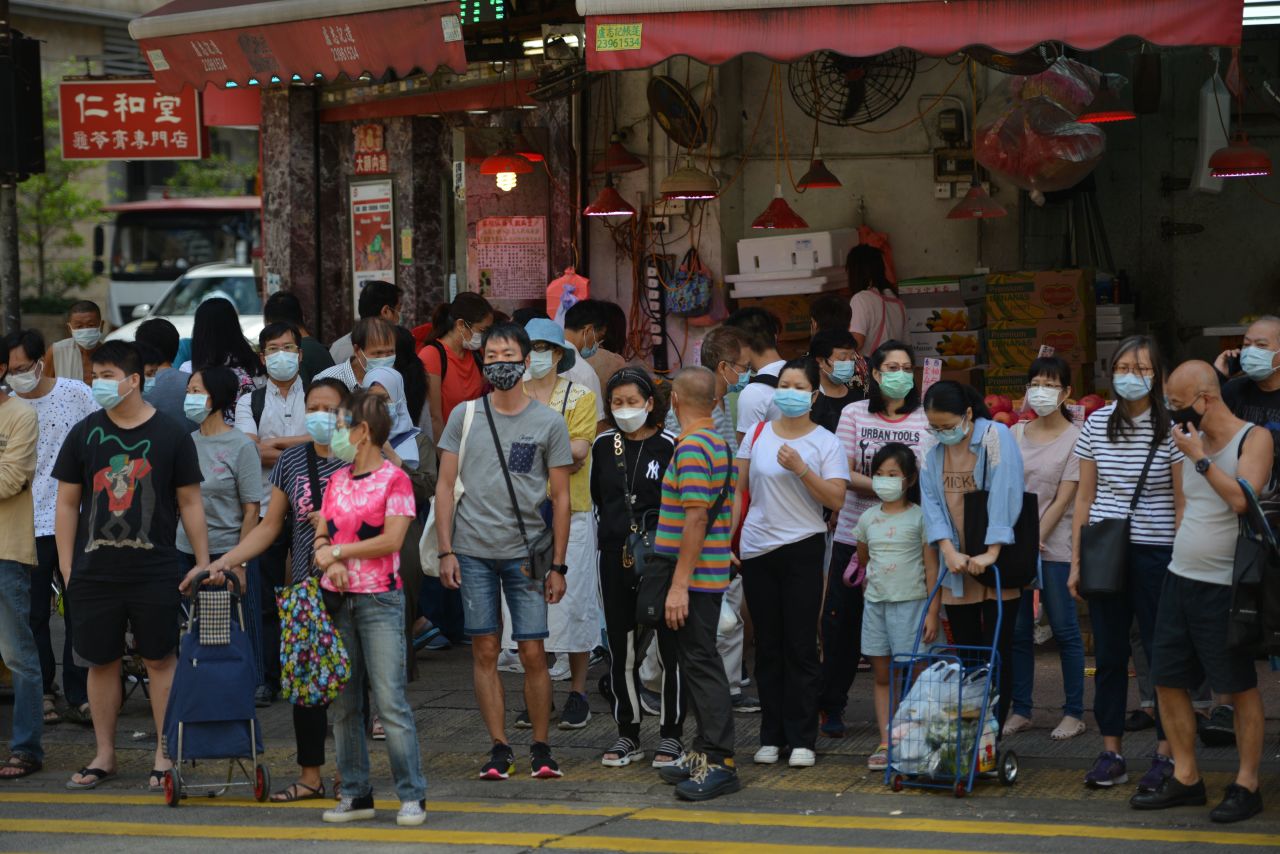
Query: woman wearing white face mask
{"type": "Point", "coordinates": [789, 469]}
{"type": "Point", "coordinates": [453, 374]}
{"type": "Point", "coordinates": [627, 465]}
{"type": "Point", "coordinates": [1052, 471]}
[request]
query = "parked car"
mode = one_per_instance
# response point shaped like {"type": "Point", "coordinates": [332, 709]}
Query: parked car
{"type": "Point", "coordinates": [235, 282]}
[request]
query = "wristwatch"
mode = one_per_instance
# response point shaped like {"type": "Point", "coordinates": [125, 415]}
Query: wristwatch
{"type": "Point", "coordinates": [1202, 465]}
{"type": "Point", "coordinates": [561, 568]}
{"type": "Point", "coordinates": [336, 551]}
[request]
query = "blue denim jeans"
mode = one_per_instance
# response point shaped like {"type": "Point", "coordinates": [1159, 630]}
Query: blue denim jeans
{"type": "Point", "coordinates": [485, 581]}
{"type": "Point", "coordinates": [372, 629]}
{"type": "Point", "coordinates": [18, 649]}
{"type": "Point", "coordinates": [1061, 609]}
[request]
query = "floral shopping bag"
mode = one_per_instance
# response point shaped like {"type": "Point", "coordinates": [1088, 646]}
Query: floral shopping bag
{"type": "Point", "coordinates": [313, 660]}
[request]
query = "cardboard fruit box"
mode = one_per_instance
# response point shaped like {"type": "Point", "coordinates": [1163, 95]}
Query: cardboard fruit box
{"type": "Point", "coordinates": [942, 317]}
{"type": "Point", "coordinates": [1017, 347]}
{"type": "Point", "coordinates": [1023, 299]}
{"type": "Point", "coordinates": [966, 345]}
{"type": "Point", "coordinates": [792, 312]}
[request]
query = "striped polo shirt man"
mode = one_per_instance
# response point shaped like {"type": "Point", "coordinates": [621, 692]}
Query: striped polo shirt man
{"type": "Point", "coordinates": [695, 478]}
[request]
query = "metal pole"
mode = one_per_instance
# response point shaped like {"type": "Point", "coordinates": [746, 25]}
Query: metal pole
{"type": "Point", "coordinates": [10, 276]}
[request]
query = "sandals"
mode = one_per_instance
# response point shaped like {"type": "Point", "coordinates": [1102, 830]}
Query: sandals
{"type": "Point", "coordinates": [623, 753]}
{"type": "Point", "coordinates": [1015, 724]}
{"type": "Point", "coordinates": [24, 765]}
{"type": "Point", "coordinates": [51, 715]}
{"type": "Point", "coordinates": [1069, 728]}
{"type": "Point", "coordinates": [671, 748]}
{"type": "Point", "coordinates": [376, 732]}
{"type": "Point", "coordinates": [298, 792]}
{"type": "Point", "coordinates": [78, 715]}
{"type": "Point", "coordinates": [95, 777]}
{"type": "Point", "coordinates": [155, 781]}
{"type": "Point", "coordinates": [425, 637]}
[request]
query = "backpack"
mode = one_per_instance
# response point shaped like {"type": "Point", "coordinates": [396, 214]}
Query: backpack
{"type": "Point", "coordinates": [444, 360]}
{"type": "Point", "coordinates": [257, 403]}
{"type": "Point", "coordinates": [770, 380]}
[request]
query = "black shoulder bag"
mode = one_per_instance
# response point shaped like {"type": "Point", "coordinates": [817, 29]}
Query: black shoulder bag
{"type": "Point", "coordinates": [1018, 560]}
{"type": "Point", "coordinates": [1104, 547]}
{"type": "Point", "coordinates": [1254, 620]}
{"type": "Point", "coordinates": [655, 575]}
{"type": "Point", "coordinates": [638, 548]}
{"type": "Point", "coordinates": [541, 548]}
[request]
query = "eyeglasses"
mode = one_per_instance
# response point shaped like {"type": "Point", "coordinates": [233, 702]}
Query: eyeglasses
{"type": "Point", "coordinates": [1125, 370]}
{"type": "Point", "coordinates": [1052, 386]}
{"type": "Point", "coordinates": [281, 348]}
{"type": "Point", "coordinates": [742, 369]}
{"type": "Point", "coordinates": [542, 346]}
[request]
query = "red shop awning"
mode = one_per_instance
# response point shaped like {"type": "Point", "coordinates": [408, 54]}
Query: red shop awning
{"type": "Point", "coordinates": [241, 42]}
{"type": "Point", "coordinates": [627, 34]}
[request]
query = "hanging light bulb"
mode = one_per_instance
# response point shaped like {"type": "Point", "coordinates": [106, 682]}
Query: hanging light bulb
{"type": "Point", "coordinates": [779, 214]}
{"type": "Point", "coordinates": [505, 166]}
{"type": "Point", "coordinates": [819, 177]}
{"type": "Point", "coordinates": [976, 204]}
{"type": "Point", "coordinates": [1106, 107]}
{"type": "Point", "coordinates": [521, 145]}
{"type": "Point", "coordinates": [1240, 159]}
{"type": "Point", "coordinates": [609, 202]}
{"type": "Point", "coordinates": [689, 183]}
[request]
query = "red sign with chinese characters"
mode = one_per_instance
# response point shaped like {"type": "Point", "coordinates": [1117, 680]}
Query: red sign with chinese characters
{"type": "Point", "coordinates": [128, 120]}
{"type": "Point", "coordinates": [371, 150]}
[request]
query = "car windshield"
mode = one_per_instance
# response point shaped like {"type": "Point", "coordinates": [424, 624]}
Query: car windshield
{"type": "Point", "coordinates": [186, 297]}
{"type": "Point", "coordinates": [162, 245]}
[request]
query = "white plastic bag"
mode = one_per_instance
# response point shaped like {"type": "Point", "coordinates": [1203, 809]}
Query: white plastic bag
{"type": "Point", "coordinates": [428, 543]}
{"type": "Point", "coordinates": [936, 688]}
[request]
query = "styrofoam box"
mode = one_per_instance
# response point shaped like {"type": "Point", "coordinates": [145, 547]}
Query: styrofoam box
{"type": "Point", "coordinates": [811, 251]}
{"type": "Point", "coordinates": [834, 273]}
{"type": "Point", "coordinates": [785, 287]}
{"type": "Point", "coordinates": [968, 287]}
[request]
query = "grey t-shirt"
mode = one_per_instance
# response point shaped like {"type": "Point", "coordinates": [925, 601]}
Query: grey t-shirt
{"type": "Point", "coordinates": [169, 394]}
{"type": "Point", "coordinates": [533, 442]}
{"type": "Point", "coordinates": [1204, 547]}
{"type": "Point", "coordinates": [232, 478]}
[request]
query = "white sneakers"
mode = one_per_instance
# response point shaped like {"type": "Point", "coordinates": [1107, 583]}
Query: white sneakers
{"type": "Point", "coordinates": [560, 670]}
{"type": "Point", "coordinates": [801, 757]}
{"type": "Point", "coordinates": [412, 814]}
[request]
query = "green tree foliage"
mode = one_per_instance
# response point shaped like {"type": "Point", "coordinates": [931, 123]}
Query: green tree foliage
{"type": "Point", "coordinates": [51, 209]}
{"type": "Point", "coordinates": [216, 175]}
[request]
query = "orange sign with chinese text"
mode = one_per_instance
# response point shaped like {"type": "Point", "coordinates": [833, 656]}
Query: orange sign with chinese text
{"type": "Point", "coordinates": [128, 120]}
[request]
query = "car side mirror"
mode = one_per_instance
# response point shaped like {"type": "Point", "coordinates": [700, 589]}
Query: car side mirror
{"type": "Point", "coordinates": [140, 311]}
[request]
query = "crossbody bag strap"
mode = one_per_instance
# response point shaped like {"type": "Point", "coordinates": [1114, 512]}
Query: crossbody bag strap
{"type": "Point", "coordinates": [313, 477]}
{"type": "Point", "coordinates": [564, 404]}
{"type": "Point", "coordinates": [1142, 479]}
{"type": "Point", "coordinates": [724, 490]}
{"type": "Point", "coordinates": [502, 460]}
{"type": "Point", "coordinates": [620, 458]}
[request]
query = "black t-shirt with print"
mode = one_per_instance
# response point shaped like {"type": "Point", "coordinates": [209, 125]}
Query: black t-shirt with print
{"type": "Point", "coordinates": [826, 410]}
{"type": "Point", "coordinates": [129, 506]}
{"type": "Point", "coordinates": [646, 462]}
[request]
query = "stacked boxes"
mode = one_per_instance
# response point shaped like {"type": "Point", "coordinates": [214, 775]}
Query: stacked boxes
{"type": "Point", "coordinates": [782, 274]}
{"type": "Point", "coordinates": [1029, 310]}
{"type": "Point", "coordinates": [944, 319]}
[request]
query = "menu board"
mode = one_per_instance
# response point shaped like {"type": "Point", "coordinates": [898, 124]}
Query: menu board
{"type": "Point", "coordinates": [508, 257]}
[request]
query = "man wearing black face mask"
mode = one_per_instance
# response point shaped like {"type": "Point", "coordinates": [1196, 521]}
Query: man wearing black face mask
{"type": "Point", "coordinates": [1191, 624]}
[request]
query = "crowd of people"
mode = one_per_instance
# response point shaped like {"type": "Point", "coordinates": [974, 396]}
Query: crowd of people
{"type": "Point", "coordinates": [829, 501]}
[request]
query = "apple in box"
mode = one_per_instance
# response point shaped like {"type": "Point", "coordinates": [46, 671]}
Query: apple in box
{"type": "Point", "coordinates": [1008, 419]}
{"type": "Point", "coordinates": [997, 403]}
{"type": "Point", "coordinates": [1091, 403]}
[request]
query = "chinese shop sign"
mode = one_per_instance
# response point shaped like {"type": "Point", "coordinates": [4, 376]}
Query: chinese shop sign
{"type": "Point", "coordinates": [371, 150]}
{"type": "Point", "coordinates": [128, 120]}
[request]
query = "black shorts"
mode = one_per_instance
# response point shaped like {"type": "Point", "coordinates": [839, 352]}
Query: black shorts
{"type": "Point", "coordinates": [103, 610]}
{"type": "Point", "coordinates": [1190, 640]}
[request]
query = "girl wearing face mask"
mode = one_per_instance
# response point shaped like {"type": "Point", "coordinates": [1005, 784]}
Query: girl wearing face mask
{"type": "Point", "coordinates": [232, 485]}
{"type": "Point", "coordinates": [973, 453]}
{"type": "Point", "coordinates": [1052, 471]}
{"type": "Point", "coordinates": [791, 469]}
{"type": "Point", "coordinates": [891, 412]}
{"type": "Point", "coordinates": [359, 533]}
{"type": "Point", "coordinates": [293, 497]}
{"type": "Point", "coordinates": [453, 372]}
{"type": "Point", "coordinates": [901, 570]}
{"type": "Point", "coordinates": [627, 465]}
{"type": "Point", "coordinates": [1115, 443]}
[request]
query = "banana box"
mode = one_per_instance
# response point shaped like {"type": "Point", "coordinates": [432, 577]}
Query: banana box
{"type": "Point", "coordinates": [1011, 346]}
{"type": "Point", "coordinates": [1027, 298]}
{"type": "Point", "coordinates": [943, 318]}
{"type": "Point", "coordinates": [958, 350]}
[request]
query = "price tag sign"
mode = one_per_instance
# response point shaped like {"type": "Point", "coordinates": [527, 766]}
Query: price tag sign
{"type": "Point", "coordinates": [932, 373]}
{"type": "Point", "coordinates": [1077, 413]}
{"type": "Point", "coordinates": [1045, 352]}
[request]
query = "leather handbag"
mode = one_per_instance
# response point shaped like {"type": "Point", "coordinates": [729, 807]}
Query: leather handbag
{"type": "Point", "coordinates": [542, 547]}
{"type": "Point", "coordinates": [655, 576]}
{"type": "Point", "coordinates": [1255, 580]}
{"type": "Point", "coordinates": [1018, 562]}
{"type": "Point", "coordinates": [1104, 547]}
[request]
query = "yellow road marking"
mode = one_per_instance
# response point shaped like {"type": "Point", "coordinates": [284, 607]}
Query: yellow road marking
{"type": "Point", "coordinates": [911, 824]}
{"type": "Point", "coordinates": [103, 799]}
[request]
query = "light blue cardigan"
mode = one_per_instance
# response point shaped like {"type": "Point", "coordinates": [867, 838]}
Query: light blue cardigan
{"type": "Point", "coordinates": [998, 452]}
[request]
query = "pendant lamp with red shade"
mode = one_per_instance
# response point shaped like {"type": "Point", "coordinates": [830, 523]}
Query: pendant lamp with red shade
{"type": "Point", "coordinates": [609, 203]}
{"type": "Point", "coordinates": [616, 159]}
{"type": "Point", "coordinates": [1239, 158]}
{"type": "Point", "coordinates": [778, 214]}
{"type": "Point", "coordinates": [977, 203]}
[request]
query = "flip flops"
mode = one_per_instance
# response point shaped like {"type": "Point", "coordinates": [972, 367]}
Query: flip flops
{"type": "Point", "coordinates": [96, 777]}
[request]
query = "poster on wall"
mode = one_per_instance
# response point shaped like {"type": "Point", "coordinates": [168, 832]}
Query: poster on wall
{"type": "Point", "coordinates": [372, 246]}
{"type": "Point", "coordinates": [508, 257]}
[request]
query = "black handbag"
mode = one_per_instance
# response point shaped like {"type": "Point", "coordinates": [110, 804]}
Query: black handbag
{"type": "Point", "coordinates": [1104, 547]}
{"type": "Point", "coordinates": [658, 569]}
{"type": "Point", "coordinates": [542, 547]}
{"type": "Point", "coordinates": [637, 549]}
{"type": "Point", "coordinates": [1255, 580]}
{"type": "Point", "coordinates": [1018, 560]}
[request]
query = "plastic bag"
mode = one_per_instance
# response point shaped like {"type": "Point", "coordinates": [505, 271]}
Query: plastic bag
{"type": "Point", "coordinates": [936, 687]}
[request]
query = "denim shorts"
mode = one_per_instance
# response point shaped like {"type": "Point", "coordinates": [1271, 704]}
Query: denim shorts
{"type": "Point", "coordinates": [889, 628]}
{"type": "Point", "coordinates": [485, 581]}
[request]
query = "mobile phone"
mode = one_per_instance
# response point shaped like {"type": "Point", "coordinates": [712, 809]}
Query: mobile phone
{"type": "Point", "coordinates": [1233, 365]}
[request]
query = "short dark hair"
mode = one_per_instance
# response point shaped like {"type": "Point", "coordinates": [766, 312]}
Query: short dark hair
{"type": "Point", "coordinates": [760, 327]}
{"type": "Point", "coordinates": [148, 354]}
{"type": "Point", "coordinates": [370, 410]}
{"type": "Point", "coordinates": [639, 378]}
{"type": "Point", "coordinates": [954, 398]}
{"type": "Point", "coordinates": [508, 332]}
{"type": "Point", "coordinates": [84, 306]}
{"type": "Point", "coordinates": [906, 460]}
{"type": "Point", "coordinates": [283, 306]}
{"type": "Point", "coordinates": [375, 296]}
{"type": "Point", "coordinates": [587, 312]}
{"type": "Point", "coordinates": [721, 345]}
{"type": "Point", "coordinates": [806, 366]}
{"type": "Point", "coordinates": [831, 311]}
{"type": "Point", "coordinates": [1055, 368]}
{"type": "Point", "coordinates": [161, 335]}
{"type": "Point", "coordinates": [222, 384]}
{"type": "Point", "coordinates": [119, 354]}
{"type": "Point", "coordinates": [864, 265]}
{"type": "Point", "coordinates": [331, 383]}
{"type": "Point", "coordinates": [30, 340]}
{"type": "Point", "coordinates": [524, 315]}
{"type": "Point", "coordinates": [828, 341]}
{"type": "Point", "coordinates": [272, 331]}
{"type": "Point", "coordinates": [370, 329]}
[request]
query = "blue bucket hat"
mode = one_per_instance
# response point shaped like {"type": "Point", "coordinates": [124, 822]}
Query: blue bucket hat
{"type": "Point", "coordinates": [542, 329]}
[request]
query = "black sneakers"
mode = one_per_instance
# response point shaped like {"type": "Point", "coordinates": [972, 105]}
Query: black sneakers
{"type": "Point", "coordinates": [541, 765]}
{"type": "Point", "coordinates": [1238, 804]}
{"type": "Point", "coordinates": [576, 711]}
{"type": "Point", "coordinates": [501, 764]}
{"type": "Point", "coordinates": [1171, 793]}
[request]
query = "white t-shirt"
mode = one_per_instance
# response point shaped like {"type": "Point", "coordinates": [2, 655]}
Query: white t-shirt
{"type": "Point", "coordinates": [782, 511]}
{"type": "Point", "coordinates": [879, 316]}
{"type": "Point", "coordinates": [1119, 467]}
{"type": "Point", "coordinates": [861, 435]}
{"type": "Point", "coordinates": [67, 404]}
{"type": "Point", "coordinates": [755, 402]}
